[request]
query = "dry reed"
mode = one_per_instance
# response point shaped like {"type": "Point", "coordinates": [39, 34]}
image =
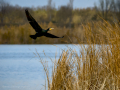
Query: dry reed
{"type": "Point", "coordinates": [96, 67]}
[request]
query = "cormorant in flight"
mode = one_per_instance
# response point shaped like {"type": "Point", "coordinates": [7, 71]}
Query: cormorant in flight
{"type": "Point", "coordinates": [39, 31]}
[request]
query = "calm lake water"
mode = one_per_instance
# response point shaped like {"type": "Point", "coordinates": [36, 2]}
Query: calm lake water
{"type": "Point", "coordinates": [20, 67]}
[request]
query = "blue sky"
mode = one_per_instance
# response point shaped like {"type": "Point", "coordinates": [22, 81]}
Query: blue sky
{"type": "Point", "coordinates": [35, 3]}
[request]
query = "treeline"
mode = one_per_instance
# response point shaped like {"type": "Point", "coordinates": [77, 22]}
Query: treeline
{"type": "Point", "coordinates": [64, 18]}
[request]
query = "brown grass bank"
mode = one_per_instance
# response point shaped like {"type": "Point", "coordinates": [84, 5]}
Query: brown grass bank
{"type": "Point", "coordinates": [90, 33]}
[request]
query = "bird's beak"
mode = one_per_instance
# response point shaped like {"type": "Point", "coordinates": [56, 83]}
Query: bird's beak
{"type": "Point", "coordinates": [51, 28]}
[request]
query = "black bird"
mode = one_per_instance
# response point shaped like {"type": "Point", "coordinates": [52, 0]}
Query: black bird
{"type": "Point", "coordinates": [39, 31]}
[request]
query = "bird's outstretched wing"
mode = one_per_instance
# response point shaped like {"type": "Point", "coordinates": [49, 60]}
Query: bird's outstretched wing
{"type": "Point", "coordinates": [32, 22]}
{"type": "Point", "coordinates": [51, 36]}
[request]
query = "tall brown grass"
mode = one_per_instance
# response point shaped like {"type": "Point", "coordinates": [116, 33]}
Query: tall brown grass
{"type": "Point", "coordinates": [95, 67]}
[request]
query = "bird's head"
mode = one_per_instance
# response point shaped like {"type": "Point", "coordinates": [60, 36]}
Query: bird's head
{"type": "Point", "coordinates": [50, 29]}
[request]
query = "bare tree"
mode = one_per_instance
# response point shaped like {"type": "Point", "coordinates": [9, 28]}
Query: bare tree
{"type": "Point", "coordinates": [105, 8]}
{"type": "Point", "coordinates": [102, 7]}
{"type": "Point", "coordinates": [3, 9]}
{"type": "Point", "coordinates": [49, 3]}
{"type": "Point", "coordinates": [70, 5]}
{"type": "Point", "coordinates": [49, 8]}
{"type": "Point", "coordinates": [118, 5]}
{"type": "Point", "coordinates": [118, 9]}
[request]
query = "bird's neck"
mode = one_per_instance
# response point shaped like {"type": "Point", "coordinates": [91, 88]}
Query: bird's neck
{"type": "Point", "coordinates": [47, 29]}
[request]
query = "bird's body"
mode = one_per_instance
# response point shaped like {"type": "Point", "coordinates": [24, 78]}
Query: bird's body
{"type": "Point", "coordinates": [39, 31]}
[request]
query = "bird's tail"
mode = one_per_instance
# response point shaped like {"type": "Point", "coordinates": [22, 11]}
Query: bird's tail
{"type": "Point", "coordinates": [33, 36]}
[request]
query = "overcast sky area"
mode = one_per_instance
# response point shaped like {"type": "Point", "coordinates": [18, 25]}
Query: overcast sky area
{"type": "Point", "coordinates": [57, 3]}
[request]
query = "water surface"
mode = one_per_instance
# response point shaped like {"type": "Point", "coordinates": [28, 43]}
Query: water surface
{"type": "Point", "coordinates": [20, 67]}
